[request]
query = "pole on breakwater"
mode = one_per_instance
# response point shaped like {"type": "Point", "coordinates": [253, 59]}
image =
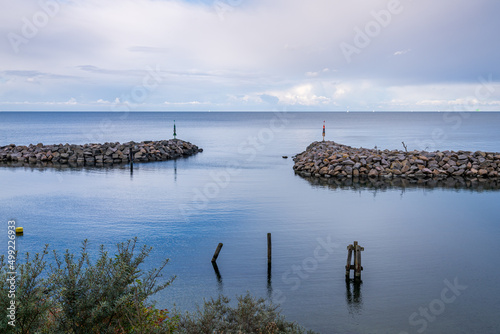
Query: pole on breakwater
{"type": "Point", "coordinates": [175, 134]}
{"type": "Point", "coordinates": [323, 130]}
{"type": "Point", "coordinates": [354, 250]}
{"type": "Point", "coordinates": [217, 251]}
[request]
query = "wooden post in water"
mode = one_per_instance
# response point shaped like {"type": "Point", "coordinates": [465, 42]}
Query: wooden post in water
{"type": "Point", "coordinates": [357, 261]}
{"type": "Point", "coordinates": [356, 249]}
{"type": "Point", "coordinates": [348, 265]}
{"type": "Point", "coordinates": [269, 249]}
{"type": "Point", "coordinates": [217, 251]}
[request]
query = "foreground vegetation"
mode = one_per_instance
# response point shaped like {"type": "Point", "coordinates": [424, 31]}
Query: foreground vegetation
{"type": "Point", "coordinates": [112, 295]}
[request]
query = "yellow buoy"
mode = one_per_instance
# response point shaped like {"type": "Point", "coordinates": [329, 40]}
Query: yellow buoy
{"type": "Point", "coordinates": [19, 230]}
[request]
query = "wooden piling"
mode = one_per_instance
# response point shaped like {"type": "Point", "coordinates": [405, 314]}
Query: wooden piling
{"type": "Point", "coordinates": [217, 251]}
{"type": "Point", "coordinates": [357, 262]}
{"type": "Point", "coordinates": [269, 249]}
{"type": "Point", "coordinates": [348, 265]}
{"type": "Point", "coordinates": [354, 250]}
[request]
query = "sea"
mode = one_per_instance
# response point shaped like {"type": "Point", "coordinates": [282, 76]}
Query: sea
{"type": "Point", "coordinates": [431, 255]}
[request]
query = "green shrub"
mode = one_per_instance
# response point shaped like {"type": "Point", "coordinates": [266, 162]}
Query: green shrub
{"type": "Point", "coordinates": [79, 296]}
{"type": "Point", "coordinates": [251, 315]}
{"type": "Point", "coordinates": [33, 295]}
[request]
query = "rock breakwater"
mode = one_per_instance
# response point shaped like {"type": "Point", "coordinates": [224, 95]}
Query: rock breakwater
{"type": "Point", "coordinates": [94, 154]}
{"type": "Point", "coordinates": [329, 159]}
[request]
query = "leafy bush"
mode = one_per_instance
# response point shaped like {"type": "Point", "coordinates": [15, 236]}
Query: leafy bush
{"type": "Point", "coordinates": [79, 296]}
{"type": "Point", "coordinates": [251, 315]}
{"type": "Point", "coordinates": [33, 300]}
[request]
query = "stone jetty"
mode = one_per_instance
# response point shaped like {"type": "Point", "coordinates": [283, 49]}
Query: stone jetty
{"type": "Point", "coordinates": [332, 160]}
{"type": "Point", "coordinates": [98, 155]}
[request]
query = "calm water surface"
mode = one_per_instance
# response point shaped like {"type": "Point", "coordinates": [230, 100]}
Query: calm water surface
{"type": "Point", "coordinates": [417, 241]}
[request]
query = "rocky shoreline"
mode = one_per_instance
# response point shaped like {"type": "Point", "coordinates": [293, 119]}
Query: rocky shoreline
{"type": "Point", "coordinates": [332, 160]}
{"type": "Point", "coordinates": [95, 155]}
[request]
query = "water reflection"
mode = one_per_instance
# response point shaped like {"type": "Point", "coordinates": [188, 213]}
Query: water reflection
{"type": "Point", "coordinates": [269, 282]}
{"type": "Point", "coordinates": [475, 184]}
{"type": "Point", "coordinates": [353, 296]}
{"type": "Point", "coordinates": [73, 165]}
{"type": "Point", "coordinates": [175, 171]}
{"type": "Point", "coordinates": [219, 277]}
{"type": "Point", "coordinates": [65, 167]}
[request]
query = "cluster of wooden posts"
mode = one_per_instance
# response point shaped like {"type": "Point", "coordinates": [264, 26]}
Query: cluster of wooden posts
{"type": "Point", "coordinates": [353, 251]}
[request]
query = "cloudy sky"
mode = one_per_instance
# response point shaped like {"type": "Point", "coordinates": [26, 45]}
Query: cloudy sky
{"type": "Point", "coordinates": [249, 55]}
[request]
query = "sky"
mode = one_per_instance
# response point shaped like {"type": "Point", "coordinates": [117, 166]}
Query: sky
{"type": "Point", "coordinates": [249, 55]}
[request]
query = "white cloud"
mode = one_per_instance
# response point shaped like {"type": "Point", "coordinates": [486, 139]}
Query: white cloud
{"type": "Point", "coordinates": [465, 102]}
{"type": "Point", "coordinates": [315, 74]}
{"type": "Point", "coordinates": [459, 97]}
{"type": "Point", "coordinates": [185, 103]}
{"type": "Point", "coordinates": [401, 52]}
{"type": "Point", "coordinates": [312, 74]}
{"type": "Point", "coordinates": [300, 95]}
{"type": "Point", "coordinates": [72, 101]}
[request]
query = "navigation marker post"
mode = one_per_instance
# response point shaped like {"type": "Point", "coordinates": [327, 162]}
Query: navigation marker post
{"type": "Point", "coordinates": [323, 130]}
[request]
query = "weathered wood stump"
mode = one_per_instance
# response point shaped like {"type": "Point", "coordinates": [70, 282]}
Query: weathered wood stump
{"type": "Point", "coordinates": [356, 249]}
